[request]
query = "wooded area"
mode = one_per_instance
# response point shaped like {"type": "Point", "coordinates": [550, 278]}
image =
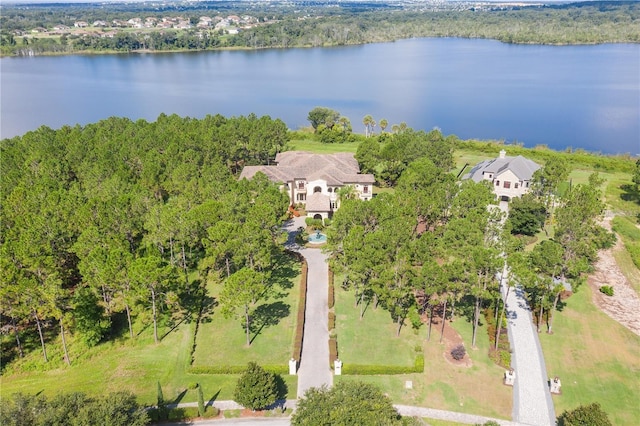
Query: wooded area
{"type": "Point", "coordinates": [119, 221]}
{"type": "Point", "coordinates": [316, 25]}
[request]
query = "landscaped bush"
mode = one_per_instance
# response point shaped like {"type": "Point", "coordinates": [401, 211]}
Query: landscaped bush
{"type": "Point", "coordinates": [297, 345]}
{"type": "Point", "coordinates": [333, 351]}
{"type": "Point", "coordinates": [315, 224]}
{"type": "Point", "coordinates": [236, 369]}
{"type": "Point", "coordinates": [606, 289]}
{"type": "Point", "coordinates": [458, 352]}
{"type": "Point", "coordinates": [332, 320]}
{"type": "Point", "coordinates": [332, 296]}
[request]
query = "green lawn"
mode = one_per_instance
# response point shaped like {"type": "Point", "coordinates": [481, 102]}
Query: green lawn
{"type": "Point", "coordinates": [477, 389]}
{"type": "Point", "coordinates": [137, 365]}
{"type": "Point", "coordinates": [597, 360]}
{"type": "Point", "coordinates": [322, 148]}
{"type": "Point", "coordinates": [222, 341]}
{"type": "Point", "coordinates": [372, 340]}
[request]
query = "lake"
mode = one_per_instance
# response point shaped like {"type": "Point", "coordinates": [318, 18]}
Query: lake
{"type": "Point", "coordinates": [562, 96]}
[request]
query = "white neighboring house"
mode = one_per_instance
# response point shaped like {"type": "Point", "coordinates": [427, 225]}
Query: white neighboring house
{"type": "Point", "coordinates": [510, 176]}
{"type": "Point", "coordinates": [313, 180]}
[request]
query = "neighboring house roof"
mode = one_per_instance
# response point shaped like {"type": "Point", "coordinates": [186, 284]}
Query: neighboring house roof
{"type": "Point", "coordinates": [318, 202]}
{"type": "Point", "coordinates": [522, 167]}
{"type": "Point", "coordinates": [336, 169]}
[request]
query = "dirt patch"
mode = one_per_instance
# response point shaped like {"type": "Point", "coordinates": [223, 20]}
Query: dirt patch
{"type": "Point", "coordinates": [624, 305]}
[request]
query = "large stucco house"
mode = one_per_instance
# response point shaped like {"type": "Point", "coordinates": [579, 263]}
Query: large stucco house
{"type": "Point", "coordinates": [510, 176]}
{"type": "Point", "coordinates": [313, 180]}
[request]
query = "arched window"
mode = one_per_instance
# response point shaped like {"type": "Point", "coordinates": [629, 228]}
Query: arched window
{"type": "Point", "coordinates": [329, 190]}
{"type": "Point", "coordinates": [317, 189]}
{"type": "Point", "coordinates": [317, 216]}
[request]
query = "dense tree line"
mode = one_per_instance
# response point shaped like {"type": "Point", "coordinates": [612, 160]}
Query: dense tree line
{"type": "Point", "coordinates": [114, 409]}
{"type": "Point", "coordinates": [110, 221]}
{"type": "Point", "coordinates": [579, 23]}
{"type": "Point", "coordinates": [437, 244]}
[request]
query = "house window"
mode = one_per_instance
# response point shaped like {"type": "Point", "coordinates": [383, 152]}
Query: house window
{"type": "Point", "coordinates": [516, 186]}
{"type": "Point", "coordinates": [497, 183]}
{"type": "Point", "coordinates": [507, 184]}
{"type": "Point", "coordinates": [317, 189]}
{"type": "Point", "coordinates": [302, 197]}
{"type": "Point", "coordinates": [334, 205]}
{"type": "Point", "coordinates": [300, 185]}
{"type": "Point", "coordinates": [365, 189]}
{"type": "Point", "coordinates": [329, 190]}
{"type": "Point", "coordinates": [527, 185]}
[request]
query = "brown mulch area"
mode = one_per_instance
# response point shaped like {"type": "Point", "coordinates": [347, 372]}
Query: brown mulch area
{"type": "Point", "coordinates": [451, 338]}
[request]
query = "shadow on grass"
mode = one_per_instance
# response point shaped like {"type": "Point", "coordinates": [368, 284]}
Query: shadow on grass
{"type": "Point", "coordinates": [213, 398]}
{"type": "Point", "coordinates": [180, 396]}
{"type": "Point", "coordinates": [286, 270]}
{"type": "Point", "coordinates": [267, 315]}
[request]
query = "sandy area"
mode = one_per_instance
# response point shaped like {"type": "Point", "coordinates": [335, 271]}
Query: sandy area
{"type": "Point", "coordinates": [624, 305]}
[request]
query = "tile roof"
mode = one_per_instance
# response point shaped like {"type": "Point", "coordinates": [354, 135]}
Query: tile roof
{"type": "Point", "coordinates": [336, 169]}
{"type": "Point", "coordinates": [318, 202]}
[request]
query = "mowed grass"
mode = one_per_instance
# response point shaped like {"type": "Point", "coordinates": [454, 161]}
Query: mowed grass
{"type": "Point", "coordinates": [222, 341]}
{"type": "Point", "coordinates": [300, 144]}
{"type": "Point", "coordinates": [138, 365]}
{"type": "Point", "coordinates": [371, 340]}
{"type": "Point", "coordinates": [597, 360]}
{"type": "Point", "coordinates": [477, 389]}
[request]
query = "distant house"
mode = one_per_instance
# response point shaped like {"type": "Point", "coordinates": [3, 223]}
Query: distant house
{"type": "Point", "coordinates": [510, 176]}
{"type": "Point", "coordinates": [80, 24]}
{"type": "Point", "coordinates": [313, 180]}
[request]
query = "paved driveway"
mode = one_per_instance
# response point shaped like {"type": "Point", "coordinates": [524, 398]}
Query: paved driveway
{"type": "Point", "coordinates": [314, 370]}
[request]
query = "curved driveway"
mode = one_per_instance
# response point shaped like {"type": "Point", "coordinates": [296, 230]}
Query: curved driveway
{"type": "Point", "coordinates": [314, 370]}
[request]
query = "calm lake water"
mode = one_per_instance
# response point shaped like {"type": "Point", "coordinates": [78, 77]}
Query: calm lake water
{"type": "Point", "coordinates": [562, 96]}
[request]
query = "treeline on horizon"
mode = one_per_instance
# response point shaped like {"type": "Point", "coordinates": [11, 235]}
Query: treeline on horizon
{"type": "Point", "coordinates": [576, 23]}
{"type": "Point", "coordinates": [119, 223]}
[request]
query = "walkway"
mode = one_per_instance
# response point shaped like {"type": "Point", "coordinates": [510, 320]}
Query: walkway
{"type": "Point", "coordinates": [532, 404]}
{"type": "Point", "coordinates": [314, 368]}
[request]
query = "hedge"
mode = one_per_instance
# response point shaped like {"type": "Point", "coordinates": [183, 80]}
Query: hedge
{"type": "Point", "coordinates": [333, 351]}
{"type": "Point", "coordinates": [332, 321]}
{"type": "Point", "coordinates": [297, 345]}
{"type": "Point", "coordinates": [332, 298]}
{"type": "Point", "coordinates": [372, 370]}
{"type": "Point", "coordinates": [236, 369]}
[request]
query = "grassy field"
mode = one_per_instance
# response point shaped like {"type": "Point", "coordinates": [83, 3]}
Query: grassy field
{"type": "Point", "coordinates": [137, 365]}
{"type": "Point", "coordinates": [222, 341]}
{"type": "Point", "coordinates": [477, 389]}
{"type": "Point", "coordinates": [596, 359]}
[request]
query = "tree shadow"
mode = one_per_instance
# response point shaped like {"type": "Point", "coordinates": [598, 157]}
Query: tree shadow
{"type": "Point", "coordinates": [213, 398]}
{"type": "Point", "coordinates": [630, 192]}
{"type": "Point", "coordinates": [267, 315]}
{"type": "Point", "coordinates": [179, 397]}
{"type": "Point", "coordinates": [285, 271]}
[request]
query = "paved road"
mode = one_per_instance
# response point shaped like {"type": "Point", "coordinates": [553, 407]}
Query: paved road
{"type": "Point", "coordinates": [314, 368]}
{"type": "Point", "coordinates": [532, 403]}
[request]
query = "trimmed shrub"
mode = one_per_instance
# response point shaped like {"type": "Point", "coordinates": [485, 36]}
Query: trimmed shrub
{"type": "Point", "coordinates": [333, 351]}
{"type": "Point", "coordinates": [606, 289]}
{"type": "Point", "coordinates": [297, 345]}
{"type": "Point", "coordinates": [236, 369]}
{"type": "Point", "coordinates": [256, 389]}
{"type": "Point", "coordinates": [332, 321]}
{"type": "Point", "coordinates": [315, 224]}
{"type": "Point", "coordinates": [332, 297]}
{"type": "Point", "coordinates": [458, 352]}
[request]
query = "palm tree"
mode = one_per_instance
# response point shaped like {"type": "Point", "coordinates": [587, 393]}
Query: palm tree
{"type": "Point", "coordinates": [367, 121]}
{"type": "Point", "coordinates": [383, 124]}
